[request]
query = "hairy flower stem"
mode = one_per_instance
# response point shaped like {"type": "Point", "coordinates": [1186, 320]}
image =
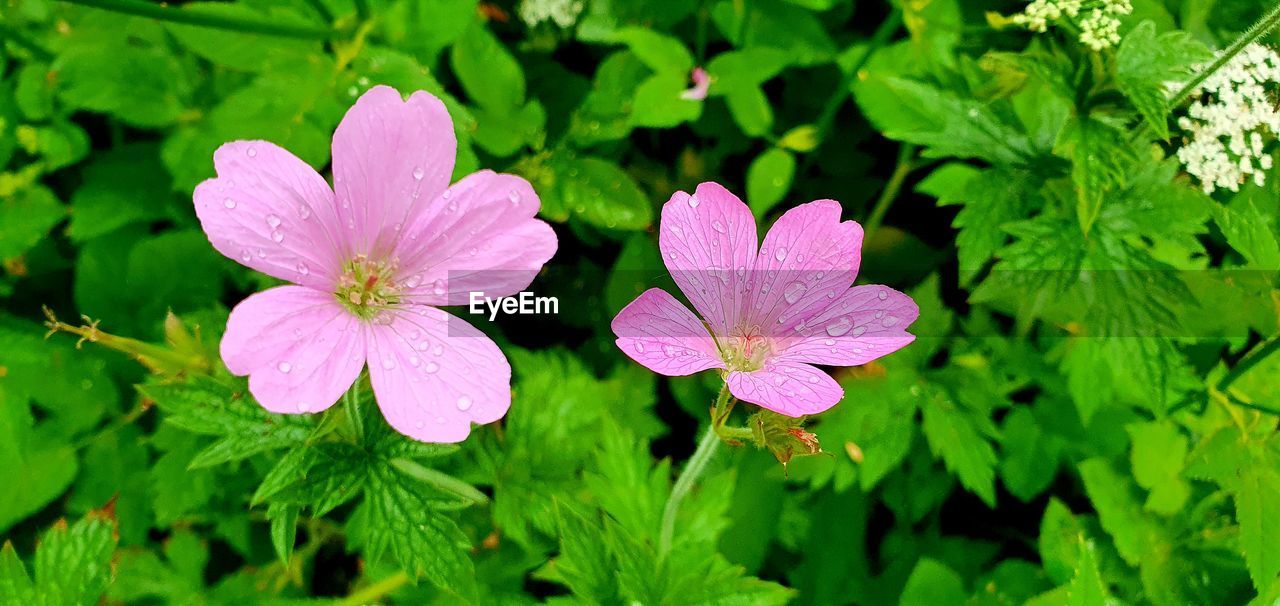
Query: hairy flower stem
{"type": "Point", "coordinates": [1268, 22]}
{"type": "Point", "coordinates": [692, 471]}
{"type": "Point", "coordinates": [161, 12]}
{"type": "Point", "coordinates": [1247, 363]}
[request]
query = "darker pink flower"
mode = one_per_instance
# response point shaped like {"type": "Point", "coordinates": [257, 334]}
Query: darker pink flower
{"type": "Point", "coordinates": [701, 85]}
{"type": "Point", "coordinates": [369, 260]}
{"type": "Point", "coordinates": [768, 313]}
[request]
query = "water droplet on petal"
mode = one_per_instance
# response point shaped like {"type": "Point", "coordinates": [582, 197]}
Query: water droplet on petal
{"type": "Point", "coordinates": [245, 255]}
{"type": "Point", "coordinates": [639, 347]}
{"type": "Point", "coordinates": [414, 361]}
{"type": "Point", "coordinates": [419, 424]}
{"type": "Point", "coordinates": [277, 236]}
{"type": "Point", "coordinates": [780, 254]}
{"type": "Point", "coordinates": [858, 331]}
{"type": "Point", "coordinates": [388, 362]}
{"type": "Point", "coordinates": [304, 211]}
{"type": "Point", "coordinates": [253, 152]}
{"type": "Point", "coordinates": [273, 221]}
{"type": "Point", "coordinates": [693, 201]}
{"type": "Point", "coordinates": [302, 268]}
{"type": "Point", "coordinates": [888, 321]}
{"type": "Point", "coordinates": [437, 287]}
{"type": "Point", "coordinates": [884, 294]}
{"type": "Point", "coordinates": [413, 281]}
{"type": "Point", "coordinates": [830, 342]}
{"type": "Point", "coordinates": [417, 173]}
{"type": "Point", "coordinates": [718, 226]}
{"type": "Point", "coordinates": [514, 197]}
{"type": "Point", "coordinates": [813, 379]}
{"type": "Point", "coordinates": [464, 403]}
{"type": "Point", "coordinates": [303, 407]}
{"type": "Point", "coordinates": [284, 367]}
{"type": "Point", "coordinates": [431, 367]}
{"type": "Point", "coordinates": [794, 291]}
{"type": "Point", "coordinates": [229, 203]}
{"type": "Point", "coordinates": [439, 350]}
{"type": "Point", "coordinates": [839, 326]}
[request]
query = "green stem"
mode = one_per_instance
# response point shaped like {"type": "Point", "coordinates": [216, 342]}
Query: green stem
{"type": "Point", "coordinates": [125, 419]}
{"type": "Point", "coordinates": [371, 594]}
{"type": "Point", "coordinates": [906, 155]}
{"type": "Point", "coordinates": [1263, 27]}
{"type": "Point", "coordinates": [362, 10]}
{"type": "Point", "coordinates": [1246, 364]}
{"type": "Point", "coordinates": [878, 39]}
{"type": "Point", "coordinates": [21, 39]}
{"type": "Point", "coordinates": [692, 471]}
{"type": "Point", "coordinates": [162, 12]}
{"type": "Point", "coordinates": [321, 10]}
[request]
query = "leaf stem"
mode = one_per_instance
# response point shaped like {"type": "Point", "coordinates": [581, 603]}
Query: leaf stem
{"type": "Point", "coordinates": [373, 593]}
{"type": "Point", "coordinates": [906, 158]}
{"type": "Point", "coordinates": [1263, 27]}
{"type": "Point", "coordinates": [1247, 363]}
{"type": "Point", "coordinates": [887, 28]}
{"type": "Point", "coordinates": [161, 12]}
{"type": "Point", "coordinates": [351, 406]}
{"type": "Point", "coordinates": [692, 471]}
{"type": "Point", "coordinates": [440, 480]}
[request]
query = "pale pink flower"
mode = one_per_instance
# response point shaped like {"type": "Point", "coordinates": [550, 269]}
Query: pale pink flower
{"type": "Point", "coordinates": [768, 314]}
{"type": "Point", "coordinates": [369, 261]}
{"type": "Point", "coordinates": [701, 84]}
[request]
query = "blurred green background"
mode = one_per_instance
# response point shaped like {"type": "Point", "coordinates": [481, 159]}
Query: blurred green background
{"type": "Point", "coordinates": [1088, 418]}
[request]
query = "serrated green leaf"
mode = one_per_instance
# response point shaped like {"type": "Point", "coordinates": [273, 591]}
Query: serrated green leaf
{"type": "Point", "coordinates": [1257, 499]}
{"type": "Point", "coordinates": [1147, 62]}
{"type": "Point", "coordinates": [954, 437]}
{"type": "Point", "coordinates": [72, 565]}
{"type": "Point", "coordinates": [403, 520]}
{"type": "Point", "coordinates": [1158, 455]}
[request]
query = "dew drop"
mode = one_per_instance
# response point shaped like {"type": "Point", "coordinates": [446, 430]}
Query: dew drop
{"type": "Point", "coordinates": [277, 236]}
{"type": "Point", "coordinates": [884, 294]}
{"type": "Point", "coordinates": [889, 321]}
{"type": "Point", "coordinates": [464, 403]}
{"type": "Point", "coordinates": [830, 342]}
{"type": "Point", "coordinates": [417, 173]}
{"type": "Point", "coordinates": [794, 291]}
{"type": "Point", "coordinates": [304, 211]}
{"type": "Point", "coordinates": [431, 367]}
{"type": "Point", "coordinates": [437, 287]}
{"type": "Point", "coordinates": [780, 254]}
{"type": "Point", "coordinates": [858, 331]}
{"type": "Point", "coordinates": [514, 197]}
{"type": "Point", "coordinates": [302, 268]}
{"type": "Point", "coordinates": [284, 367]}
{"type": "Point", "coordinates": [273, 221]}
{"type": "Point", "coordinates": [879, 314]}
{"type": "Point", "coordinates": [229, 203]}
{"type": "Point", "coordinates": [439, 350]}
{"type": "Point", "coordinates": [813, 379]}
{"type": "Point", "coordinates": [639, 347]}
{"type": "Point", "coordinates": [419, 424]}
{"type": "Point", "coordinates": [693, 201]}
{"type": "Point", "coordinates": [413, 281]}
{"type": "Point", "coordinates": [839, 327]}
{"type": "Point", "coordinates": [262, 254]}
{"type": "Point", "coordinates": [252, 152]}
{"type": "Point", "coordinates": [718, 226]}
{"type": "Point", "coordinates": [414, 361]}
{"type": "Point", "coordinates": [303, 407]}
{"type": "Point", "coordinates": [245, 255]}
{"type": "Point", "coordinates": [388, 362]}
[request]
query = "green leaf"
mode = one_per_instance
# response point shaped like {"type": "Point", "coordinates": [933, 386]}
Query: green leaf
{"type": "Point", "coordinates": [658, 103]}
{"type": "Point", "coordinates": [1030, 463]}
{"type": "Point", "coordinates": [1134, 533]}
{"type": "Point", "coordinates": [238, 50]}
{"type": "Point", "coordinates": [36, 472]}
{"type": "Point", "coordinates": [954, 436]}
{"type": "Point", "coordinates": [1060, 541]}
{"type": "Point", "coordinates": [932, 584]}
{"type": "Point", "coordinates": [488, 73]}
{"type": "Point", "coordinates": [768, 180]}
{"type": "Point", "coordinates": [1249, 223]}
{"type": "Point", "coordinates": [745, 69]}
{"type": "Point", "coordinates": [1158, 455]}
{"type": "Point", "coordinates": [1257, 501]}
{"type": "Point", "coordinates": [284, 529]}
{"type": "Point", "coordinates": [1099, 154]}
{"type": "Point", "coordinates": [72, 565]}
{"type": "Point", "coordinates": [777, 25]}
{"type": "Point", "coordinates": [402, 518]}
{"type": "Point", "coordinates": [991, 199]}
{"type": "Point", "coordinates": [26, 216]}
{"type": "Point", "coordinates": [123, 186]}
{"type": "Point", "coordinates": [593, 189]}
{"type": "Point", "coordinates": [242, 426]}
{"type": "Point", "coordinates": [660, 52]}
{"type": "Point", "coordinates": [584, 563]}
{"type": "Point", "coordinates": [1147, 62]}
{"type": "Point", "coordinates": [751, 110]}
{"type": "Point", "coordinates": [1087, 587]}
{"type": "Point", "coordinates": [946, 124]}
{"type": "Point", "coordinates": [142, 85]}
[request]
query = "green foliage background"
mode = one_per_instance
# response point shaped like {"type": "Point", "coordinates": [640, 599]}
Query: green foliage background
{"type": "Point", "coordinates": [1089, 416]}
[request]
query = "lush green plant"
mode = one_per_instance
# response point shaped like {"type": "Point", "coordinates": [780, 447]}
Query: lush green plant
{"type": "Point", "coordinates": [1088, 417]}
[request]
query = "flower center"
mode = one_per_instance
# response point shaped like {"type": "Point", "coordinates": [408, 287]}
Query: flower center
{"type": "Point", "coordinates": [367, 287]}
{"type": "Point", "coordinates": [745, 350]}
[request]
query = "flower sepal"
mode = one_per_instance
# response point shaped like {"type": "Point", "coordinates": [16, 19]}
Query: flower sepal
{"type": "Point", "coordinates": [785, 437]}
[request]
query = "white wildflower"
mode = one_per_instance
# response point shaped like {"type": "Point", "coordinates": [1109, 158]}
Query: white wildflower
{"type": "Point", "coordinates": [1097, 20]}
{"type": "Point", "coordinates": [1233, 118]}
{"type": "Point", "coordinates": [563, 13]}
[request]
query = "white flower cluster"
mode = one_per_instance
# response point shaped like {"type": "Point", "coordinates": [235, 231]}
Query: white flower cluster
{"type": "Point", "coordinates": [1098, 20]}
{"type": "Point", "coordinates": [563, 13]}
{"type": "Point", "coordinates": [1231, 121]}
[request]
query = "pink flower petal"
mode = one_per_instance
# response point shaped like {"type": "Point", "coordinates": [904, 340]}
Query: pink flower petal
{"type": "Point", "coordinates": [300, 348]}
{"type": "Point", "coordinates": [660, 333]}
{"type": "Point", "coordinates": [708, 242]}
{"type": "Point", "coordinates": [865, 323]}
{"type": "Point", "coordinates": [807, 259]}
{"type": "Point", "coordinates": [390, 159]}
{"type": "Point", "coordinates": [789, 388]}
{"type": "Point", "coordinates": [481, 235]}
{"type": "Point", "coordinates": [435, 375]}
{"type": "Point", "coordinates": [701, 84]}
{"type": "Point", "coordinates": [271, 212]}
